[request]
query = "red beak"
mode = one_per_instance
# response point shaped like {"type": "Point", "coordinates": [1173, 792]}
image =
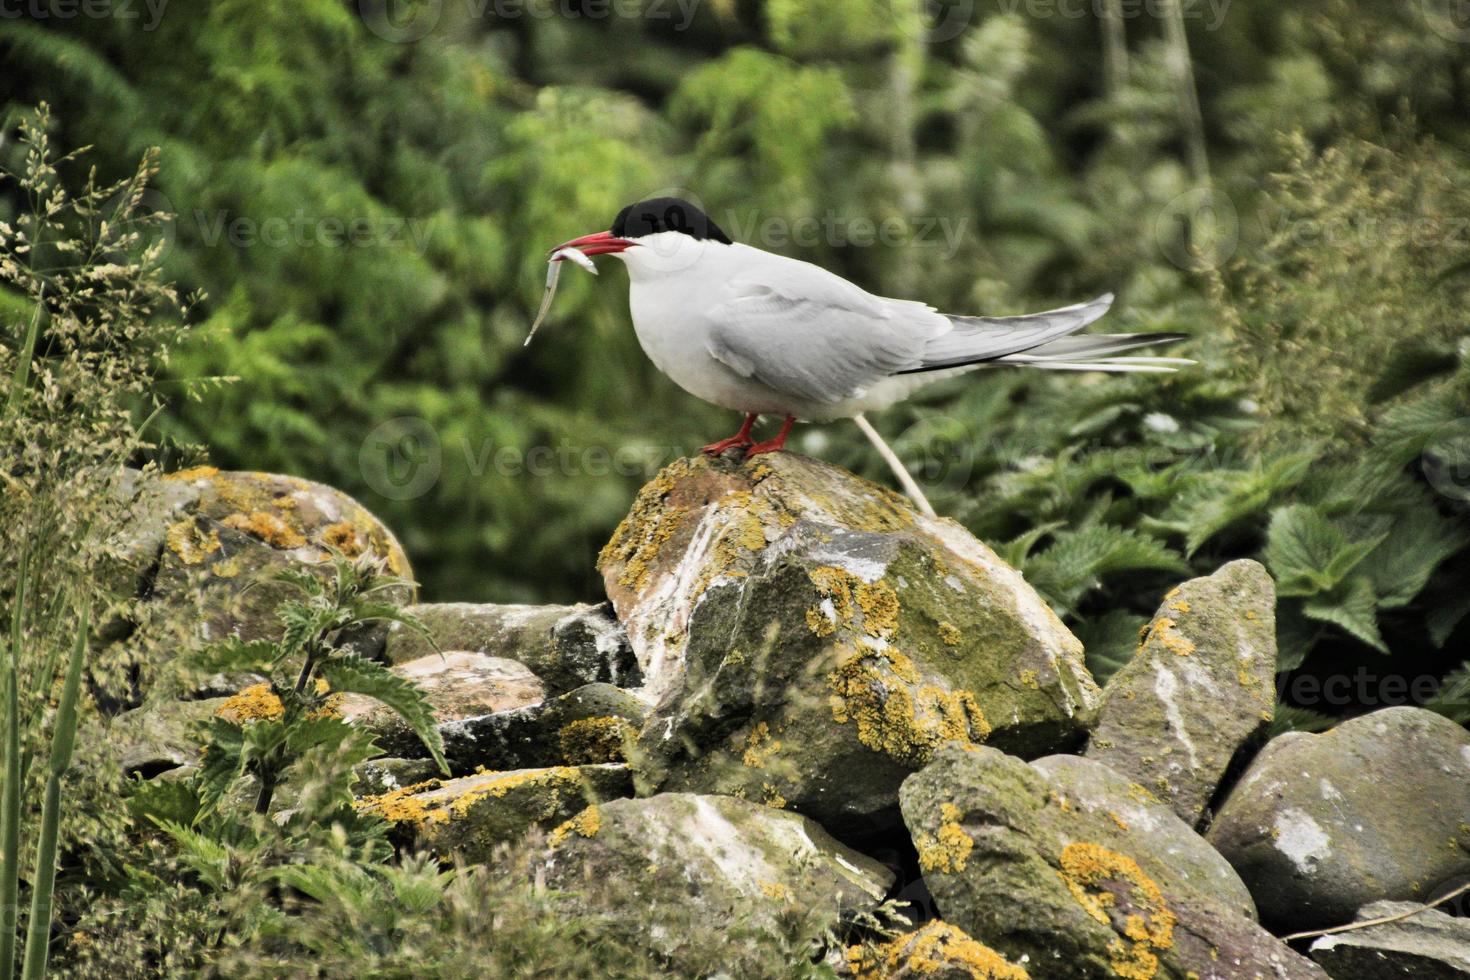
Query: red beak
{"type": "Point", "coordinates": [598, 243]}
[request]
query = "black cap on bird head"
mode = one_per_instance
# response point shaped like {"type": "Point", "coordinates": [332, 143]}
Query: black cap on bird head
{"type": "Point", "coordinates": [666, 214]}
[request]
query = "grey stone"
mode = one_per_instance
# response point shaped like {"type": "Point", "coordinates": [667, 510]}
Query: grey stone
{"type": "Point", "coordinates": [1016, 856]}
{"type": "Point", "coordinates": [1200, 687]}
{"type": "Point", "coordinates": [566, 646]}
{"type": "Point", "coordinates": [1427, 946]}
{"type": "Point", "coordinates": [1378, 807]}
{"type": "Point", "coordinates": [710, 881]}
{"type": "Point", "coordinates": [811, 638]}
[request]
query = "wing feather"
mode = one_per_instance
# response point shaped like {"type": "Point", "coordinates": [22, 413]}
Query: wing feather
{"type": "Point", "coordinates": [816, 336]}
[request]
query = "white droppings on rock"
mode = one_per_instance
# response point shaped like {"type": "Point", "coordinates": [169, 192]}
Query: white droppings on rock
{"type": "Point", "coordinates": [1301, 839]}
{"type": "Point", "coordinates": [1166, 685]}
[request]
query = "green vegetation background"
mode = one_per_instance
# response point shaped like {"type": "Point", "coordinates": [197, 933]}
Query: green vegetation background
{"type": "Point", "coordinates": [1306, 223]}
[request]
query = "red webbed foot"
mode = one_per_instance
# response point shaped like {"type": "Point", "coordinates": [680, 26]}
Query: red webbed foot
{"type": "Point", "coordinates": [741, 438]}
{"type": "Point", "coordinates": [772, 445]}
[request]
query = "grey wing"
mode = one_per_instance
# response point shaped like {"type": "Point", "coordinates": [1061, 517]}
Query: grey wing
{"type": "Point", "coordinates": [985, 338]}
{"type": "Point", "coordinates": [821, 339]}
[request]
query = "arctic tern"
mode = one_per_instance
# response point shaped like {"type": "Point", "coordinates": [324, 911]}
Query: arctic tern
{"type": "Point", "coordinates": [764, 334]}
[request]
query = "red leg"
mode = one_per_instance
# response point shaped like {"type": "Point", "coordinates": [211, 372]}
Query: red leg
{"type": "Point", "coordinates": [772, 445]}
{"type": "Point", "coordinates": [741, 438]}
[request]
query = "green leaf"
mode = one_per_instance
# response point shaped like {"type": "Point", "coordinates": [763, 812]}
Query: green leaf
{"type": "Point", "coordinates": [1110, 641]}
{"type": "Point", "coordinates": [222, 764]}
{"type": "Point", "coordinates": [1078, 561]}
{"type": "Point", "coordinates": [1289, 718]}
{"type": "Point", "coordinates": [1352, 606]}
{"type": "Point", "coordinates": [1295, 636]}
{"type": "Point", "coordinates": [1222, 499]}
{"type": "Point", "coordinates": [235, 655]}
{"type": "Point", "coordinates": [1307, 555]}
{"type": "Point", "coordinates": [1446, 615]}
{"type": "Point", "coordinates": [1018, 549]}
{"type": "Point", "coordinates": [1420, 539]}
{"type": "Point", "coordinates": [1453, 697]}
{"type": "Point", "coordinates": [355, 675]}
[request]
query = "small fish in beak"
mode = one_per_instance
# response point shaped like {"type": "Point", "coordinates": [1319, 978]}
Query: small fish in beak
{"type": "Point", "coordinates": [553, 273]}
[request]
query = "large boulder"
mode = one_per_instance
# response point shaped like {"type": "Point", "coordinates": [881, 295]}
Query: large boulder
{"type": "Point", "coordinates": [1378, 807]}
{"type": "Point", "coordinates": [206, 540]}
{"type": "Point", "coordinates": [566, 646]}
{"type": "Point", "coordinates": [810, 638]}
{"type": "Point", "coordinates": [1200, 687]}
{"type": "Point", "coordinates": [711, 883]}
{"type": "Point", "coordinates": [471, 816]}
{"type": "Point", "coordinates": [1416, 945]}
{"type": "Point", "coordinates": [1024, 859]}
{"type": "Point", "coordinates": [1094, 803]}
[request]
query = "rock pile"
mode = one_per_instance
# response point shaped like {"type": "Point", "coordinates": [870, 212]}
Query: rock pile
{"type": "Point", "coordinates": [804, 695]}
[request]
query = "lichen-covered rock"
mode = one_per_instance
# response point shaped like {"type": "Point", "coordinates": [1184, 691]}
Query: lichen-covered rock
{"type": "Point", "coordinates": [566, 646]}
{"type": "Point", "coordinates": [1099, 805]}
{"type": "Point", "coordinates": [708, 881]}
{"type": "Point", "coordinates": [457, 684]}
{"type": "Point", "coordinates": [1378, 807]}
{"type": "Point", "coordinates": [812, 638]}
{"type": "Point", "coordinates": [593, 723]}
{"type": "Point", "coordinates": [1200, 687]}
{"type": "Point", "coordinates": [224, 531]}
{"type": "Point", "coordinates": [1010, 859]}
{"type": "Point", "coordinates": [1428, 945]}
{"type": "Point", "coordinates": [378, 776]}
{"type": "Point", "coordinates": [470, 816]}
{"type": "Point", "coordinates": [936, 951]}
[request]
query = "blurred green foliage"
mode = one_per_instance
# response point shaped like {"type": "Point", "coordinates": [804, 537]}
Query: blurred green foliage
{"type": "Point", "coordinates": [366, 193]}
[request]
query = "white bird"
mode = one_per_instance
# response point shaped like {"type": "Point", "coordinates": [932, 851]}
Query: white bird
{"type": "Point", "coordinates": [764, 334]}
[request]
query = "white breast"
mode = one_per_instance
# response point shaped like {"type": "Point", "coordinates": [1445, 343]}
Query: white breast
{"type": "Point", "coordinates": [669, 283]}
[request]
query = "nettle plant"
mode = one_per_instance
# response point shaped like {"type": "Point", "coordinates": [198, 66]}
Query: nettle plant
{"type": "Point", "coordinates": [271, 726]}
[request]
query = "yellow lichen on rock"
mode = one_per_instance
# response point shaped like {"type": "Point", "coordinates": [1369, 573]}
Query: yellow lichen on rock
{"type": "Point", "coordinates": [268, 528]}
{"type": "Point", "coordinates": [589, 741]}
{"type": "Point", "coordinates": [641, 535]}
{"type": "Point", "coordinates": [879, 691]}
{"type": "Point", "coordinates": [586, 824]}
{"type": "Point", "coordinates": [255, 703]}
{"type": "Point", "coordinates": [1099, 879]}
{"type": "Point", "coordinates": [935, 948]}
{"type": "Point", "coordinates": [1163, 630]}
{"type": "Point", "coordinates": [950, 846]}
{"type": "Point", "coordinates": [759, 746]}
{"type": "Point", "coordinates": [403, 805]}
{"type": "Point", "coordinates": [193, 473]}
{"type": "Point", "coordinates": [343, 537]}
{"type": "Point", "coordinates": [192, 545]}
{"type": "Point", "coordinates": [872, 607]}
{"type": "Point", "coordinates": [776, 891]}
{"type": "Point", "coordinates": [949, 634]}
